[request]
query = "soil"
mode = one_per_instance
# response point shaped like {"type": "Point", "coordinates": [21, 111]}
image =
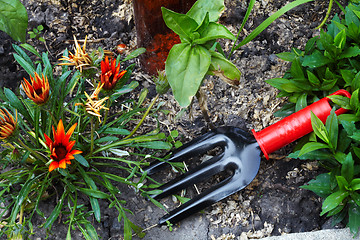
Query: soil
{"type": "Point", "coordinates": [273, 204]}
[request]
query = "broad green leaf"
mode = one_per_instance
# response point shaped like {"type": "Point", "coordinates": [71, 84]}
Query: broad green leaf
{"type": "Point", "coordinates": [296, 69]}
{"type": "Point", "coordinates": [356, 197]}
{"type": "Point", "coordinates": [347, 168]}
{"type": "Point", "coordinates": [301, 102]}
{"type": "Point", "coordinates": [185, 68]}
{"type": "Point", "coordinates": [332, 127]}
{"type": "Point", "coordinates": [333, 201]}
{"type": "Point", "coordinates": [181, 24]}
{"type": "Point", "coordinates": [355, 184]}
{"type": "Point", "coordinates": [317, 59]}
{"type": "Point", "coordinates": [312, 146]}
{"type": "Point", "coordinates": [341, 101]}
{"type": "Point", "coordinates": [287, 56]}
{"type": "Point", "coordinates": [225, 69]}
{"type": "Point", "coordinates": [213, 32]}
{"type": "Point", "coordinates": [342, 183]}
{"type": "Point", "coordinates": [319, 128]}
{"type": "Point", "coordinates": [350, 52]}
{"type": "Point", "coordinates": [320, 185]}
{"type": "Point", "coordinates": [277, 82]}
{"type": "Point", "coordinates": [313, 79]}
{"type": "Point", "coordinates": [340, 39]}
{"type": "Point", "coordinates": [354, 217]}
{"type": "Point", "coordinates": [201, 7]}
{"type": "Point", "coordinates": [354, 100]}
{"type": "Point", "coordinates": [13, 19]}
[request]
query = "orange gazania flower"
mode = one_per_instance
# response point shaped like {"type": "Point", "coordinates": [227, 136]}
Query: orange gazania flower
{"type": "Point", "coordinates": [80, 59]}
{"type": "Point", "coordinates": [7, 124]}
{"type": "Point", "coordinates": [61, 148]}
{"type": "Point", "coordinates": [38, 90]}
{"type": "Point", "coordinates": [110, 73]}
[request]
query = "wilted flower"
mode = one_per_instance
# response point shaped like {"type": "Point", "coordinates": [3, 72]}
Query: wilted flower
{"type": "Point", "coordinates": [38, 90]}
{"type": "Point", "coordinates": [80, 59]}
{"type": "Point", "coordinates": [93, 105]}
{"type": "Point", "coordinates": [7, 124]}
{"type": "Point", "coordinates": [110, 73]}
{"type": "Point", "coordinates": [61, 148]}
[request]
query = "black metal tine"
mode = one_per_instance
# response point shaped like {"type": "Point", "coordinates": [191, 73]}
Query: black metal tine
{"type": "Point", "coordinates": [193, 148]}
{"type": "Point", "coordinates": [220, 191]}
{"type": "Point", "coordinates": [198, 174]}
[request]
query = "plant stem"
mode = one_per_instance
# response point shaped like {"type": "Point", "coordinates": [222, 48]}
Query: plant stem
{"type": "Point", "coordinates": [326, 16]}
{"type": "Point", "coordinates": [143, 118]}
{"type": "Point", "coordinates": [203, 106]}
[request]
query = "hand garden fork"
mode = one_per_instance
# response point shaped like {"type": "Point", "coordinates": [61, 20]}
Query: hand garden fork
{"type": "Point", "coordinates": [241, 154]}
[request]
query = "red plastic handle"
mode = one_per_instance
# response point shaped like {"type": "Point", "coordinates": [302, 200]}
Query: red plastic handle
{"type": "Point", "coordinates": [295, 126]}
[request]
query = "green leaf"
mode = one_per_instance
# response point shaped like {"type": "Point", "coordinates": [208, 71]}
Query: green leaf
{"type": "Point", "coordinates": [312, 146]}
{"type": "Point", "coordinates": [94, 193]}
{"type": "Point", "coordinates": [287, 56]}
{"type": "Point", "coordinates": [27, 66]}
{"type": "Point", "coordinates": [277, 82]}
{"type": "Point", "coordinates": [319, 128]}
{"type": "Point", "coordinates": [342, 183]}
{"type": "Point", "coordinates": [225, 69]}
{"type": "Point", "coordinates": [80, 159]}
{"type": "Point", "coordinates": [296, 69]}
{"type": "Point", "coordinates": [315, 60]}
{"type": "Point", "coordinates": [201, 7]}
{"type": "Point", "coordinates": [181, 24]}
{"type": "Point", "coordinates": [341, 101]}
{"type": "Point", "coordinates": [155, 145]}
{"type": "Point", "coordinates": [134, 54]}
{"type": "Point", "coordinates": [350, 52]}
{"type": "Point", "coordinates": [301, 102]}
{"type": "Point", "coordinates": [30, 49]}
{"type": "Point", "coordinates": [354, 100]}
{"type": "Point", "coordinates": [213, 32]}
{"type": "Point", "coordinates": [347, 168]}
{"type": "Point", "coordinates": [354, 217]}
{"type": "Point", "coordinates": [333, 201]}
{"type": "Point", "coordinates": [116, 131]}
{"type": "Point", "coordinates": [320, 185]}
{"type": "Point", "coordinates": [355, 184]}
{"type": "Point", "coordinates": [340, 39]}
{"type": "Point", "coordinates": [185, 68]}
{"type": "Point", "coordinates": [17, 104]}
{"type": "Point", "coordinates": [356, 197]}
{"type": "Point", "coordinates": [313, 79]}
{"type": "Point", "coordinates": [332, 127]}
{"type": "Point", "coordinates": [13, 19]}
{"type": "Point", "coordinates": [56, 212]}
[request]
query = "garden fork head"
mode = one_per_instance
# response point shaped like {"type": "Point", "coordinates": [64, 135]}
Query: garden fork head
{"type": "Point", "coordinates": [240, 154]}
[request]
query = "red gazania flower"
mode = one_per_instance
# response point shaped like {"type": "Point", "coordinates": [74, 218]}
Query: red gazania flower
{"type": "Point", "coordinates": [7, 124]}
{"type": "Point", "coordinates": [38, 90]}
{"type": "Point", "coordinates": [61, 148]}
{"type": "Point", "coordinates": [110, 73]}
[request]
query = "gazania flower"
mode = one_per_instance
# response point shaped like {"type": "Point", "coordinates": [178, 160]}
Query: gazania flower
{"type": "Point", "coordinates": [61, 148]}
{"type": "Point", "coordinates": [38, 90]}
{"type": "Point", "coordinates": [80, 59]}
{"type": "Point", "coordinates": [7, 124]}
{"type": "Point", "coordinates": [110, 73]}
{"type": "Point", "coordinates": [93, 105]}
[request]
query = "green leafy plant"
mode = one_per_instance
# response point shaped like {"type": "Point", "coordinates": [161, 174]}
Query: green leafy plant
{"type": "Point", "coordinates": [329, 62]}
{"type": "Point", "coordinates": [199, 54]}
{"type": "Point", "coordinates": [63, 140]}
{"type": "Point", "coordinates": [36, 32]}
{"type": "Point", "coordinates": [13, 19]}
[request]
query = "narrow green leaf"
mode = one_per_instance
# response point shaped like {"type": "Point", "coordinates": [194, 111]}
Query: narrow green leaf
{"type": "Point", "coordinates": [56, 212]}
{"type": "Point", "coordinates": [117, 131]}
{"type": "Point", "coordinates": [17, 104]}
{"type": "Point", "coordinates": [134, 54]}
{"type": "Point", "coordinates": [342, 183]}
{"type": "Point", "coordinates": [24, 64]}
{"type": "Point", "coordinates": [301, 102]}
{"type": "Point", "coordinates": [313, 79]}
{"type": "Point", "coordinates": [354, 217]}
{"type": "Point", "coordinates": [94, 193]}
{"type": "Point", "coordinates": [155, 145]}
{"type": "Point", "coordinates": [30, 49]}
{"type": "Point", "coordinates": [80, 159]}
